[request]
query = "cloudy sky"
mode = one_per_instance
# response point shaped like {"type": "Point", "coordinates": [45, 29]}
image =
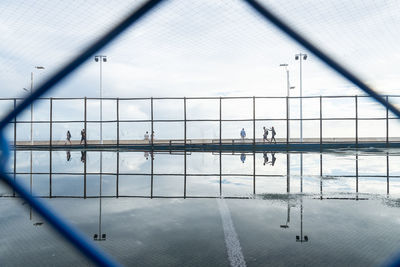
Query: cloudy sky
{"type": "Point", "coordinates": [198, 48]}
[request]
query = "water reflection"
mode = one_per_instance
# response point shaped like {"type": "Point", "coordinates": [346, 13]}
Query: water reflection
{"type": "Point", "coordinates": [187, 174]}
{"type": "Point", "coordinates": [274, 209]}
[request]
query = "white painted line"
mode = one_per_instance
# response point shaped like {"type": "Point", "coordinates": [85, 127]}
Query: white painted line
{"type": "Point", "coordinates": [232, 243]}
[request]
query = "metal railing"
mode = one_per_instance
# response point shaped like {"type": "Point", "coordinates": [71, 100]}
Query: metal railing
{"type": "Point", "coordinates": [151, 120]}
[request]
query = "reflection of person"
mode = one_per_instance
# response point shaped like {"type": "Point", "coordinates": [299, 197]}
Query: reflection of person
{"type": "Point", "coordinates": [83, 156]}
{"type": "Point", "coordinates": [273, 133]}
{"type": "Point", "coordinates": [68, 137]}
{"type": "Point", "coordinates": [152, 136]}
{"type": "Point", "coordinates": [265, 156]}
{"type": "Point", "coordinates": [243, 157]}
{"type": "Point", "coordinates": [265, 135]}
{"type": "Point", "coordinates": [146, 155]}
{"type": "Point", "coordinates": [83, 136]}
{"type": "Point", "coordinates": [68, 155]}
{"type": "Point", "coordinates": [146, 136]}
{"type": "Point", "coordinates": [242, 134]}
{"type": "Point", "coordinates": [273, 159]}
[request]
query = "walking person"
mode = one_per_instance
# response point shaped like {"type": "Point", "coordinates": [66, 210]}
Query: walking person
{"type": "Point", "coordinates": [68, 137]}
{"type": "Point", "coordinates": [68, 155]}
{"type": "Point", "coordinates": [242, 134]}
{"type": "Point", "coordinates": [83, 136]}
{"type": "Point", "coordinates": [273, 133]}
{"type": "Point", "coordinates": [265, 135]}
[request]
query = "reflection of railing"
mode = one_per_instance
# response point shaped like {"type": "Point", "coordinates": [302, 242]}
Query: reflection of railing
{"type": "Point", "coordinates": [252, 173]}
{"type": "Point", "coordinates": [252, 139]}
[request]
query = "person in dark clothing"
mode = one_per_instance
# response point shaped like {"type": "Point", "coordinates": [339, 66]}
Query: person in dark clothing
{"type": "Point", "coordinates": [83, 136]}
{"type": "Point", "coordinates": [265, 156]}
{"type": "Point", "coordinates": [68, 137]}
{"type": "Point", "coordinates": [273, 133]}
{"type": "Point", "coordinates": [265, 135]}
{"type": "Point", "coordinates": [83, 156]}
{"type": "Point", "coordinates": [273, 159]}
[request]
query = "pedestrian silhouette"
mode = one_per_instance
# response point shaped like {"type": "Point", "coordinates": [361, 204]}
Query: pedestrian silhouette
{"type": "Point", "coordinates": [68, 137]}
{"type": "Point", "coordinates": [83, 136]}
{"type": "Point", "coordinates": [273, 133]}
{"type": "Point", "coordinates": [242, 134]}
{"type": "Point", "coordinates": [265, 135]}
{"type": "Point", "coordinates": [68, 155]}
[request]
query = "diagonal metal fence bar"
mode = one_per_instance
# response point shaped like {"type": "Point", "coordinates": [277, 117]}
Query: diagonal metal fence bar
{"type": "Point", "coordinates": [78, 240]}
{"type": "Point", "coordinates": [279, 23]}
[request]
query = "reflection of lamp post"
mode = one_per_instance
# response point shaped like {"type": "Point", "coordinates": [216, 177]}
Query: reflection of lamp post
{"type": "Point", "coordinates": [302, 238]}
{"type": "Point", "coordinates": [285, 226]}
{"type": "Point", "coordinates": [99, 236]}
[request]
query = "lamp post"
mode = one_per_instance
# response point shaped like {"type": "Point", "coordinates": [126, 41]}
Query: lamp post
{"type": "Point", "coordinates": [301, 57]}
{"type": "Point", "coordinates": [31, 90]}
{"type": "Point", "coordinates": [31, 160]}
{"type": "Point", "coordinates": [101, 59]}
{"type": "Point", "coordinates": [288, 124]}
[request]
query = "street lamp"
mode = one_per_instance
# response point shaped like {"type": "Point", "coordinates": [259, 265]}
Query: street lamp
{"type": "Point", "coordinates": [288, 124]}
{"type": "Point", "coordinates": [101, 59]}
{"type": "Point", "coordinates": [31, 90]}
{"type": "Point", "coordinates": [301, 57]}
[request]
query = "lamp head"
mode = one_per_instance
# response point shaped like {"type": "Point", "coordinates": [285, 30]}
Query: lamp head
{"type": "Point", "coordinates": [283, 65]}
{"type": "Point", "coordinates": [305, 56]}
{"type": "Point", "coordinates": [104, 59]}
{"type": "Point", "coordinates": [96, 59]}
{"type": "Point", "coordinates": [39, 67]}
{"type": "Point", "coordinates": [296, 57]}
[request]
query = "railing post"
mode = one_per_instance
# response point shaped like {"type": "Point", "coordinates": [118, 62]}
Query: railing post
{"type": "Point", "coordinates": [220, 123]}
{"type": "Point", "coordinates": [51, 123]}
{"type": "Point", "coordinates": [356, 172]}
{"type": "Point", "coordinates": [184, 122]}
{"type": "Point", "coordinates": [356, 106]}
{"type": "Point", "coordinates": [184, 174]}
{"type": "Point", "coordinates": [220, 173]}
{"type": "Point", "coordinates": [254, 172]}
{"type": "Point", "coordinates": [51, 152]}
{"type": "Point", "coordinates": [117, 181]}
{"type": "Point", "coordinates": [15, 144]}
{"type": "Point", "coordinates": [320, 174]}
{"type": "Point", "coordinates": [118, 122]}
{"type": "Point", "coordinates": [320, 122]}
{"type": "Point", "coordinates": [85, 120]}
{"type": "Point", "coordinates": [152, 123]}
{"type": "Point", "coordinates": [287, 122]}
{"type": "Point", "coordinates": [387, 121]}
{"type": "Point", "coordinates": [15, 126]}
{"type": "Point", "coordinates": [387, 173]}
{"type": "Point", "coordinates": [254, 122]}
